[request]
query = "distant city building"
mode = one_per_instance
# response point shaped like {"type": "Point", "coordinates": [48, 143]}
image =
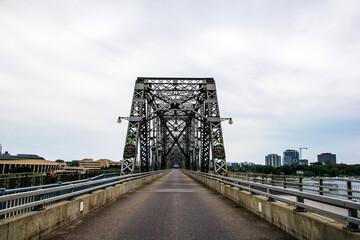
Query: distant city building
{"type": "Point", "coordinates": [36, 165]}
{"type": "Point", "coordinates": [304, 162]}
{"type": "Point", "coordinates": [243, 164]}
{"type": "Point", "coordinates": [40, 165]}
{"type": "Point", "coordinates": [7, 156]}
{"type": "Point", "coordinates": [235, 164]}
{"type": "Point", "coordinates": [273, 160]}
{"type": "Point", "coordinates": [291, 157]}
{"type": "Point", "coordinates": [228, 164]}
{"type": "Point", "coordinates": [89, 163]}
{"type": "Point", "coordinates": [327, 158]}
{"type": "Point", "coordinates": [312, 163]}
{"type": "Point", "coordinates": [29, 156]}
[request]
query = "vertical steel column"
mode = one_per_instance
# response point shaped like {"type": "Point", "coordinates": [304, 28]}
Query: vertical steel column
{"type": "Point", "coordinates": [187, 143]}
{"type": "Point", "coordinates": [155, 147]}
{"type": "Point", "coordinates": [133, 131]}
{"type": "Point", "coordinates": [145, 138]}
{"type": "Point", "coordinates": [144, 147]}
{"type": "Point", "coordinates": [163, 135]}
{"type": "Point", "coordinates": [193, 132]}
{"type": "Point", "coordinates": [205, 147]}
{"type": "Point", "coordinates": [213, 117]}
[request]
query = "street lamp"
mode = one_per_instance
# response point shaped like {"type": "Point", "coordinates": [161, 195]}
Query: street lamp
{"type": "Point", "coordinates": [230, 120]}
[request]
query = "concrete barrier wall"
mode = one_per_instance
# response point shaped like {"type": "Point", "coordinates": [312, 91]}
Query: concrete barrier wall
{"type": "Point", "coordinates": [301, 225]}
{"type": "Point", "coordinates": [35, 224]}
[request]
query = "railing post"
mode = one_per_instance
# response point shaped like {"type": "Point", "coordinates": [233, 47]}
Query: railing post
{"type": "Point", "coordinates": [320, 186]}
{"type": "Point", "coordinates": [2, 204]}
{"type": "Point", "coordinates": [39, 207]}
{"type": "Point", "coordinates": [300, 183]}
{"type": "Point", "coordinates": [352, 226]}
{"type": "Point", "coordinates": [284, 182]}
{"type": "Point", "coordinates": [27, 182]}
{"type": "Point", "coordinates": [91, 185]}
{"type": "Point", "coordinates": [299, 209]}
{"type": "Point", "coordinates": [71, 197]}
{"type": "Point", "coordinates": [349, 188]}
{"type": "Point", "coordinates": [130, 185]}
{"type": "Point", "coordinates": [270, 199]}
{"type": "Point", "coordinates": [252, 187]}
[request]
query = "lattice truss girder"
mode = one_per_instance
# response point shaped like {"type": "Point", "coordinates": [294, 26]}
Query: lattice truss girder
{"type": "Point", "coordinates": [174, 121]}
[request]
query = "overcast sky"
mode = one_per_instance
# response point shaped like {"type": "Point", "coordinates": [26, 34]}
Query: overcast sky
{"type": "Point", "coordinates": [287, 72]}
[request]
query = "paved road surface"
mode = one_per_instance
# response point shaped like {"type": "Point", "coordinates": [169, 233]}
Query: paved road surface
{"type": "Point", "coordinates": [173, 207]}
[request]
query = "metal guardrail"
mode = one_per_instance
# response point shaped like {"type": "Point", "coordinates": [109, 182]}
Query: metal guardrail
{"type": "Point", "coordinates": [268, 191]}
{"type": "Point", "coordinates": [17, 201]}
{"type": "Point", "coordinates": [338, 187]}
{"type": "Point", "coordinates": [264, 175]}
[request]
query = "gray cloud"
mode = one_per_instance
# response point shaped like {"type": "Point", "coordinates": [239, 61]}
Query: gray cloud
{"type": "Point", "coordinates": [287, 72]}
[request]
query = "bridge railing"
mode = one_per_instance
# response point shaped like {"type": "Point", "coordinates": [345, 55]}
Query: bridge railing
{"type": "Point", "coordinates": [336, 187]}
{"type": "Point", "coordinates": [276, 193]}
{"type": "Point", "coordinates": [17, 201]}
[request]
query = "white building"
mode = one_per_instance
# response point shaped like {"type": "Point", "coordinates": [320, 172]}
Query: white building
{"type": "Point", "coordinates": [273, 160]}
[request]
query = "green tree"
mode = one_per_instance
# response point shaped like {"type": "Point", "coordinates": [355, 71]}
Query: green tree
{"type": "Point", "coordinates": [287, 170]}
{"type": "Point", "coordinates": [20, 169]}
{"type": "Point", "coordinates": [268, 169]}
{"type": "Point", "coordinates": [334, 171]}
{"type": "Point", "coordinates": [308, 174]}
{"type": "Point", "coordinates": [75, 163]}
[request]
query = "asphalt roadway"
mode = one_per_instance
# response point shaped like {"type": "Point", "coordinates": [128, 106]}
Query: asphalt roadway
{"type": "Point", "coordinates": [173, 207]}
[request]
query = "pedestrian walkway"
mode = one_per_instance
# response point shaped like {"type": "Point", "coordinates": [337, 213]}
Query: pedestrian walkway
{"type": "Point", "coordinates": [173, 207]}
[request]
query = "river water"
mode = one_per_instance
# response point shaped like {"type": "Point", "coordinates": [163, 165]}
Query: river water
{"type": "Point", "coordinates": [341, 183]}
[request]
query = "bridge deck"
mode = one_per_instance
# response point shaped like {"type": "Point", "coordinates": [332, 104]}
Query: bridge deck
{"type": "Point", "coordinates": [173, 207]}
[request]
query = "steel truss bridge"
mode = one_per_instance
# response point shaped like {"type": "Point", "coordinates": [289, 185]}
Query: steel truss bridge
{"type": "Point", "coordinates": [174, 121]}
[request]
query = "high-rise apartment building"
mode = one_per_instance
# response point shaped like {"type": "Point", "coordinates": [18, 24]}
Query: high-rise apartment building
{"type": "Point", "coordinates": [291, 157]}
{"type": "Point", "coordinates": [327, 158]}
{"type": "Point", "coordinates": [273, 160]}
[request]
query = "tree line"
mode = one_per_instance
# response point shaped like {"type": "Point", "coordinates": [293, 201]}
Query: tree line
{"type": "Point", "coordinates": [317, 169]}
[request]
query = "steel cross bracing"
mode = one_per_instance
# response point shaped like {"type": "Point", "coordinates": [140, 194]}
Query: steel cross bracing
{"type": "Point", "coordinates": [174, 121]}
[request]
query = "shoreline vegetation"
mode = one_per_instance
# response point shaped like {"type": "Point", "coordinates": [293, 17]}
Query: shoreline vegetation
{"type": "Point", "coordinates": [315, 170]}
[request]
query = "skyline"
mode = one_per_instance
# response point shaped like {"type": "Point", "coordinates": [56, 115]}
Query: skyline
{"type": "Point", "coordinates": [6, 152]}
{"type": "Point", "coordinates": [286, 72]}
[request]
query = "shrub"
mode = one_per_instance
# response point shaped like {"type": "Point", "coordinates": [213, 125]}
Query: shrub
{"type": "Point", "coordinates": [21, 169]}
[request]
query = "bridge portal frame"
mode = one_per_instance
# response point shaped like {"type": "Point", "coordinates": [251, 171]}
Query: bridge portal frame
{"type": "Point", "coordinates": [174, 120]}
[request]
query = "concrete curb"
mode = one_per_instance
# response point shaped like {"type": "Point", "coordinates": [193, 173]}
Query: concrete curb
{"type": "Point", "coordinates": [34, 225]}
{"type": "Point", "coordinates": [301, 225]}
